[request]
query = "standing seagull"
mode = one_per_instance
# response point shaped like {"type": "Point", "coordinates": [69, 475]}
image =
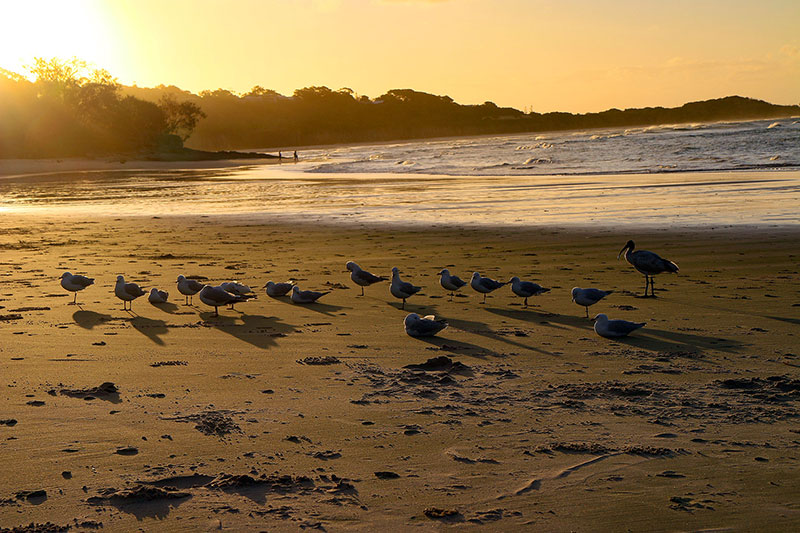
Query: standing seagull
{"type": "Point", "coordinates": [526, 289]}
{"type": "Point", "coordinates": [306, 297]}
{"type": "Point", "coordinates": [362, 277]}
{"type": "Point", "coordinates": [157, 297]}
{"type": "Point", "coordinates": [188, 287]}
{"type": "Point", "coordinates": [648, 264]}
{"type": "Point", "coordinates": [613, 329]}
{"type": "Point", "coordinates": [450, 283]}
{"type": "Point", "coordinates": [75, 283]}
{"type": "Point", "coordinates": [587, 297]}
{"type": "Point", "coordinates": [402, 289]}
{"type": "Point", "coordinates": [217, 297]}
{"type": "Point", "coordinates": [426, 326]}
{"type": "Point", "coordinates": [276, 290]}
{"type": "Point", "coordinates": [484, 285]}
{"type": "Point", "coordinates": [127, 292]}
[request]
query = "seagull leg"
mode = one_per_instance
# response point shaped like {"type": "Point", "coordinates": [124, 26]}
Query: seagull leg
{"type": "Point", "coordinates": [646, 284]}
{"type": "Point", "coordinates": [362, 291]}
{"type": "Point", "coordinates": [587, 311]}
{"type": "Point", "coordinates": [216, 311]}
{"type": "Point", "coordinates": [75, 300]}
{"type": "Point", "coordinates": [404, 304]}
{"type": "Point", "coordinates": [484, 297]}
{"type": "Point", "coordinates": [525, 303]}
{"type": "Point", "coordinates": [652, 286]}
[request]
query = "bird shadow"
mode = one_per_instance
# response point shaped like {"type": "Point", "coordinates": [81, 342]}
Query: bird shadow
{"type": "Point", "coordinates": [322, 308]}
{"type": "Point", "coordinates": [150, 328]}
{"type": "Point", "coordinates": [90, 319]}
{"type": "Point", "coordinates": [157, 508]}
{"type": "Point", "coordinates": [257, 330]}
{"type": "Point", "coordinates": [672, 341]}
{"type": "Point", "coordinates": [483, 329]}
{"type": "Point", "coordinates": [459, 347]}
{"type": "Point", "coordinates": [544, 318]}
{"type": "Point", "coordinates": [167, 307]}
{"type": "Point", "coordinates": [420, 309]}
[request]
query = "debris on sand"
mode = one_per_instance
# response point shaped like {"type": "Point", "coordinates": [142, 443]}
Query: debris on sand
{"type": "Point", "coordinates": [596, 448]}
{"type": "Point", "coordinates": [314, 360]}
{"type": "Point", "coordinates": [8, 422]}
{"type": "Point", "coordinates": [139, 493]}
{"type": "Point", "coordinates": [47, 527]}
{"type": "Point", "coordinates": [168, 363]}
{"type": "Point", "coordinates": [386, 475]}
{"type": "Point", "coordinates": [270, 482]}
{"type": "Point", "coordinates": [212, 423]}
{"type": "Point", "coordinates": [105, 390]}
{"type": "Point", "coordinates": [441, 363]}
{"type": "Point", "coordinates": [447, 515]}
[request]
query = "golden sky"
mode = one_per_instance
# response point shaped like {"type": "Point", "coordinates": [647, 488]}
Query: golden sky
{"type": "Point", "coordinates": [566, 55]}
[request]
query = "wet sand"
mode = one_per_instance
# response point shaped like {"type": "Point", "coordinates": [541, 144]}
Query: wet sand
{"type": "Point", "coordinates": [279, 417]}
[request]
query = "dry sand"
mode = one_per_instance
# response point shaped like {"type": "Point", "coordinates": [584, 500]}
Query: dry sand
{"type": "Point", "coordinates": [225, 423]}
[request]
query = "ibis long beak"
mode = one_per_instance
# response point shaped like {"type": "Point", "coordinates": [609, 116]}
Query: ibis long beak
{"type": "Point", "coordinates": [620, 252]}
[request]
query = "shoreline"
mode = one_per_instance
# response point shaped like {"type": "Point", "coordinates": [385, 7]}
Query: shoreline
{"type": "Point", "coordinates": [21, 168]}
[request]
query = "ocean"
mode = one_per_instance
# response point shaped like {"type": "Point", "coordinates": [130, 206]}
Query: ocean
{"type": "Point", "coordinates": [731, 174]}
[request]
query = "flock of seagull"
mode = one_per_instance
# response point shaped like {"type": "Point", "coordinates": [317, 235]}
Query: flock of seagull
{"type": "Point", "coordinates": [231, 292]}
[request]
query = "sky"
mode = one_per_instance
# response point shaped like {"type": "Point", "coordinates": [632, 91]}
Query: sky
{"type": "Point", "coordinates": [540, 55]}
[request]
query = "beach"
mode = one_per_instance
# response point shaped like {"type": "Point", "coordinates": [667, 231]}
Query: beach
{"type": "Point", "coordinates": [276, 416]}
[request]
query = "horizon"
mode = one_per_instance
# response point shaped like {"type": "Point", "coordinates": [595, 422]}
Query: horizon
{"type": "Point", "coordinates": [659, 56]}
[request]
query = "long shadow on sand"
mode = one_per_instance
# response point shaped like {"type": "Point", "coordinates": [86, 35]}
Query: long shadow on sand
{"type": "Point", "coordinates": [674, 341]}
{"type": "Point", "coordinates": [167, 307]}
{"type": "Point", "coordinates": [543, 318]}
{"type": "Point", "coordinates": [460, 348]}
{"type": "Point", "coordinates": [319, 307]}
{"type": "Point", "coordinates": [258, 330]}
{"type": "Point", "coordinates": [150, 328]}
{"type": "Point", "coordinates": [483, 329]}
{"type": "Point", "coordinates": [90, 319]}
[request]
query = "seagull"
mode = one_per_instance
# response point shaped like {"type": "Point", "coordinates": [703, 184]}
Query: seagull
{"type": "Point", "coordinates": [587, 297]}
{"type": "Point", "coordinates": [484, 285]}
{"type": "Point", "coordinates": [426, 326]}
{"type": "Point", "coordinates": [402, 289]}
{"type": "Point", "coordinates": [75, 283]}
{"type": "Point", "coordinates": [450, 283]}
{"type": "Point", "coordinates": [237, 289]}
{"type": "Point", "coordinates": [306, 297]}
{"type": "Point", "coordinates": [362, 277]}
{"type": "Point", "coordinates": [188, 287]}
{"type": "Point", "coordinates": [157, 297]}
{"type": "Point", "coordinates": [648, 264]}
{"type": "Point", "coordinates": [217, 297]}
{"type": "Point", "coordinates": [612, 329]}
{"type": "Point", "coordinates": [526, 289]}
{"type": "Point", "coordinates": [127, 292]}
{"type": "Point", "coordinates": [276, 290]}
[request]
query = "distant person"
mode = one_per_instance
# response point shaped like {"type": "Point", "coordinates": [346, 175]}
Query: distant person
{"type": "Point", "coordinates": [295, 155]}
{"type": "Point", "coordinates": [280, 155]}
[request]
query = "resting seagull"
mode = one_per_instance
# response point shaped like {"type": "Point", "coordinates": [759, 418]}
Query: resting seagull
{"type": "Point", "coordinates": [402, 289]}
{"type": "Point", "coordinates": [217, 297]}
{"type": "Point", "coordinates": [450, 283]}
{"type": "Point", "coordinates": [306, 297]}
{"type": "Point", "coordinates": [237, 289]}
{"type": "Point", "coordinates": [189, 287]}
{"type": "Point", "coordinates": [157, 297]}
{"type": "Point", "coordinates": [276, 290]}
{"type": "Point", "coordinates": [648, 264]}
{"type": "Point", "coordinates": [613, 329]}
{"type": "Point", "coordinates": [526, 289]}
{"type": "Point", "coordinates": [127, 292]}
{"type": "Point", "coordinates": [426, 326]}
{"type": "Point", "coordinates": [75, 283]}
{"type": "Point", "coordinates": [362, 277]}
{"type": "Point", "coordinates": [587, 297]}
{"type": "Point", "coordinates": [484, 285]}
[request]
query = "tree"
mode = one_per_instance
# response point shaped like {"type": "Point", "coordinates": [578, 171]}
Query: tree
{"type": "Point", "coordinates": [180, 117]}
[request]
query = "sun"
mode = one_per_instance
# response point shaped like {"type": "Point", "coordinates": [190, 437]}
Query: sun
{"type": "Point", "coordinates": [53, 28]}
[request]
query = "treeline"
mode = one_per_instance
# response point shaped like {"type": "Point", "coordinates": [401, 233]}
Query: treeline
{"type": "Point", "coordinates": [70, 110]}
{"type": "Point", "coordinates": [263, 118]}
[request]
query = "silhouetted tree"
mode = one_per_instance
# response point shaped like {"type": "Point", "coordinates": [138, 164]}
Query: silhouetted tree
{"type": "Point", "coordinates": [180, 117]}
